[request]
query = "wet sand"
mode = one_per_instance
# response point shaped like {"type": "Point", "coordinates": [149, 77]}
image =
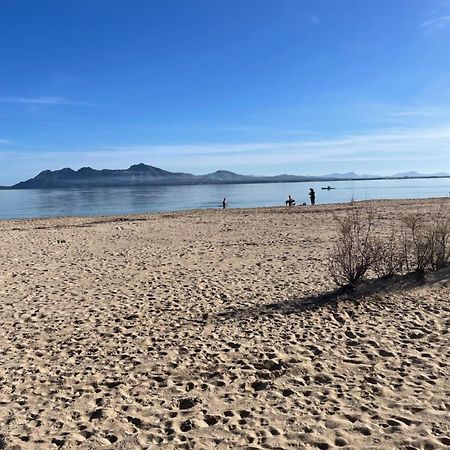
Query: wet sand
{"type": "Point", "coordinates": [215, 330]}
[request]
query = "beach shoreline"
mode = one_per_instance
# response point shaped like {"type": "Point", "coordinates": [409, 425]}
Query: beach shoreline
{"type": "Point", "coordinates": [444, 201]}
{"type": "Point", "coordinates": [207, 329]}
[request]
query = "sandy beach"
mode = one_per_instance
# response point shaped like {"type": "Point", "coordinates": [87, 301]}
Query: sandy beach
{"type": "Point", "coordinates": [215, 329]}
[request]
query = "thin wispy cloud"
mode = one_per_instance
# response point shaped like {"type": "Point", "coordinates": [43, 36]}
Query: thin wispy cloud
{"type": "Point", "coordinates": [438, 17]}
{"type": "Point", "coordinates": [49, 101]}
{"type": "Point", "coordinates": [384, 145]}
{"type": "Point", "coordinates": [313, 20]}
{"type": "Point", "coordinates": [388, 147]}
{"type": "Point", "coordinates": [413, 116]}
{"type": "Point", "coordinates": [437, 22]}
{"type": "Point", "coordinates": [419, 112]}
{"type": "Point", "coordinates": [364, 142]}
{"type": "Point", "coordinates": [213, 128]}
{"type": "Point", "coordinates": [231, 129]}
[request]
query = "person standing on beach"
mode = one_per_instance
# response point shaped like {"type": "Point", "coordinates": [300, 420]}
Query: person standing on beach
{"type": "Point", "coordinates": [312, 196]}
{"type": "Point", "coordinates": [224, 203]}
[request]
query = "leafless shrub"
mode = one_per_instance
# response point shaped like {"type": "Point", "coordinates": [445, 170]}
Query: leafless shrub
{"type": "Point", "coordinates": [425, 244]}
{"type": "Point", "coordinates": [416, 243]}
{"type": "Point", "coordinates": [388, 260]}
{"type": "Point", "coordinates": [355, 250]}
{"type": "Point", "coordinates": [439, 233]}
{"type": "Point", "coordinates": [421, 243]}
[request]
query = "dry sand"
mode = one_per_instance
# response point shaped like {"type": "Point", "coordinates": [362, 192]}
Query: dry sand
{"type": "Point", "coordinates": [210, 329]}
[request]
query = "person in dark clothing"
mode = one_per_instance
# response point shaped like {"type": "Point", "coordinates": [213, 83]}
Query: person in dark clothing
{"type": "Point", "coordinates": [312, 196]}
{"type": "Point", "coordinates": [224, 203]}
{"type": "Point", "coordinates": [290, 201]}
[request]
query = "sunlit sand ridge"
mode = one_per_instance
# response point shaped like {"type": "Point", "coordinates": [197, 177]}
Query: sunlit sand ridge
{"type": "Point", "coordinates": [211, 329]}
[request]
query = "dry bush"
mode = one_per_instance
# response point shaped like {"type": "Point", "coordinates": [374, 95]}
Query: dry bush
{"type": "Point", "coordinates": [416, 243]}
{"type": "Point", "coordinates": [356, 248]}
{"type": "Point", "coordinates": [439, 233]}
{"type": "Point", "coordinates": [388, 260]}
{"type": "Point", "coordinates": [420, 244]}
{"type": "Point", "coordinates": [425, 244]}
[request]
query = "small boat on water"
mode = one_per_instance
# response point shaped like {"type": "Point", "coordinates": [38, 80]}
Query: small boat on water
{"type": "Point", "coordinates": [328, 188]}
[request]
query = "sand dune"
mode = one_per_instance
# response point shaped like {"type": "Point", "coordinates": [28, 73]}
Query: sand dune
{"type": "Point", "coordinates": [215, 330]}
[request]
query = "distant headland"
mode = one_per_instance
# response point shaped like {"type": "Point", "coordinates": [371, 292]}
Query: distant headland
{"type": "Point", "coordinates": [146, 175]}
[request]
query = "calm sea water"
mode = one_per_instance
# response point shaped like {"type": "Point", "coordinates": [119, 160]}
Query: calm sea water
{"type": "Point", "coordinates": [132, 200]}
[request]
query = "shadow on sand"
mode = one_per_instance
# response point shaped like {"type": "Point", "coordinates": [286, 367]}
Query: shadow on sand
{"type": "Point", "coordinates": [363, 291]}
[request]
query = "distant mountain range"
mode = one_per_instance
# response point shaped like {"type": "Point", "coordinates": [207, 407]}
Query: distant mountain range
{"type": "Point", "coordinates": [419, 175]}
{"type": "Point", "coordinates": [145, 175]}
{"type": "Point", "coordinates": [355, 176]}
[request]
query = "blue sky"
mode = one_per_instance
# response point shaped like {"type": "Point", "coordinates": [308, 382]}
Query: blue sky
{"type": "Point", "coordinates": [252, 86]}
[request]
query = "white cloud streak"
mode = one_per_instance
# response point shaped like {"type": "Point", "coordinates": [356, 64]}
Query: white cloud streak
{"type": "Point", "coordinates": [314, 20]}
{"type": "Point", "coordinates": [389, 140]}
{"type": "Point", "coordinates": [420, 112]}
{"type": "Point", "coordinates": [49, 101]}
{"type": "Point", "coordinates": [437, 22]}
{"type": "Point", "coordinates": [385, 146]}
